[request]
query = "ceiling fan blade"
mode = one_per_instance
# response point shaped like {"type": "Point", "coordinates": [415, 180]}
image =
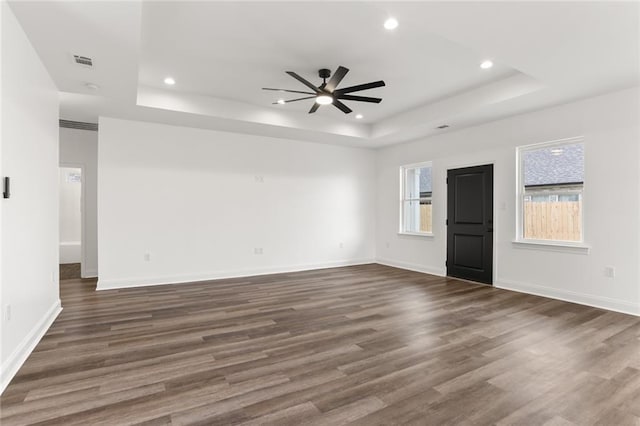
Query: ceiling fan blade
{"type": "Point", "coordinates": [359, 87]}
{"type": "Point", "coordinates": [342, 107]}
{"type": "Point", "coordinates": [314, 108]}
{"type": "Point", "coordinates": [298, 99]}
{"type": "Point", "coordinates": [287, 90]}
{"type": "Point", "coordinates": [303, 81]}
{"type": "Point", "coordinates": [336, 79]}
{"type": "Point", "coordinates": [359, 98]}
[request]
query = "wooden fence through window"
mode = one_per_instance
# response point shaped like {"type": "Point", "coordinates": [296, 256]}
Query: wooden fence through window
{"type": "Point", "coordinates": [426, 221]}
{"type": "Point", "coordinates": [542, 220]}
{"type": "Point", "coordinates": [559, 220]}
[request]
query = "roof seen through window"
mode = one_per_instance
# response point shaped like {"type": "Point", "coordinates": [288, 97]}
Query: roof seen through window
{"type": "Point", "coordinates": [554, 165]}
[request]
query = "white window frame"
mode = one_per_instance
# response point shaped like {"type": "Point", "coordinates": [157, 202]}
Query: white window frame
{"type": "Point", "coordinates": [562, 245]}
{"type": "Point", "coordinates": [403, 179]}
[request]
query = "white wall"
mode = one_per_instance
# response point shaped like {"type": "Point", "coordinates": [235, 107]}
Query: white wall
{"type": "Point", "coordinates": [29, 292]}
{"type": "Point", "coordinates": [70, 215]}
{"type": "Point", "coordinates": [80, 148]}
{"type": "Point", "coordinates": [200, 202]}
{"type": "Point", "coordinates": [611, 131]}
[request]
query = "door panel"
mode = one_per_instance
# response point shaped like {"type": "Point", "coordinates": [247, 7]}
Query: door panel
{"type": "Point", "coordinates": [470, 223]}
{"type": "Point", "coordinates": [467, 251]}
{"type": "Point", "coordinates": [469, 205]}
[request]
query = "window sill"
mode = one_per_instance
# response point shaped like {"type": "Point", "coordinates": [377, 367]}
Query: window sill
{"type": "Point", "coordinates": [417, 234]}
{"type": "Point", "coordinates": [560, 246]}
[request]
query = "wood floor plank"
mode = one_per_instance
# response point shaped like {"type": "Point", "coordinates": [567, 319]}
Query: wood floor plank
{"type": "Point", "coordinates": [361, 345]}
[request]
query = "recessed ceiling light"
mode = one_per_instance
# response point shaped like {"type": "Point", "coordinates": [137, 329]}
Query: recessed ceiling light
{"type": "Point", "coordinates": [391, 24]}
{"type": "Point", "coordinates": [485, 65]}
{"type": "Point", "coordinates": [92, 86]}
{"type": "Point", "coordinates": [557, 151]}
{"type": "Point", "coordinates": [359, 116]}
{"type": "Point", "coordinates": [169, 81]}
{"type": "Point", "coordinates": [280, 101]}
{"type": "Point", "coordinates": [324, 100]}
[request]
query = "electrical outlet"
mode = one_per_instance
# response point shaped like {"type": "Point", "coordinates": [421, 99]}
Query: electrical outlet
{"type": "Point", "coordinates": [388, 245]}
{"type": "Point", "coordinates": [341, 245]}
{"type": "Point", "coordinates": [610, 271]}
{"type": "Point", "coordinates": [147, 257]}
{"type": "Point", "coordinates": [259, 178]}
{"type": "Point", "coordinates": [7, 313]}
{"type": "Point", "coordinates": [257, 250]}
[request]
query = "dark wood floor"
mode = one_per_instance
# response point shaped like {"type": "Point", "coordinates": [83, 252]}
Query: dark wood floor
{"type": "Point", "coordinates": [365, 345]}
{"type": "Point", "coordinates": [69, 271]}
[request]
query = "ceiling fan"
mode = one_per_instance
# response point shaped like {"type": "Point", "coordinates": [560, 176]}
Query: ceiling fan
{"type": "Point", "coordinates": [327, 93]}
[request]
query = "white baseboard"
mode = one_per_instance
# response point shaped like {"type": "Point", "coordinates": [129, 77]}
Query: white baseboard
{"type": "Point", "coordinates": [441, 272]}
{"type": "Point", "coordinates": [610, 304]}
{"type": "Point", "coordinates": [11, 366]}
{"type": "Point", "coordinates": [106, 284]}
{"type": "Point", "coordinates": [565, 295]}
{"type": "Point", "coordinates": [70, 252]}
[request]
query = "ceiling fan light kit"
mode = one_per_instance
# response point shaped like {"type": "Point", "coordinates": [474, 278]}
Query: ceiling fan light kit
{"type": "Point", "coordinates": [324, 100]}
{"type": "Point", "coordinates": [327, 93]}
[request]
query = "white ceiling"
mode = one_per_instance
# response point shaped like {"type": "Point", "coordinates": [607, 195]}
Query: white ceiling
{"type": "Point", "coordinates": [249, 46]}
{"type": "Point", "coordinates": [222, 53]}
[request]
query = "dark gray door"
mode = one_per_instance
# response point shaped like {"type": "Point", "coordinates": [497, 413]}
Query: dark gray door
{"type": "Point", "coordinates": [470, 223]}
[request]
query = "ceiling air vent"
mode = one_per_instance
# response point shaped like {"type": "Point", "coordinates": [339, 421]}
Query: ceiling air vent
{"type": "Point", "coordinates": [83, 60]}
{"type": "Point", "coordinates": [444, 126]}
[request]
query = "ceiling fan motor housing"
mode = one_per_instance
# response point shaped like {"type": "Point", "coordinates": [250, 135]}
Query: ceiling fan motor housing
{"type": "Point", "coordinates": [324, 73]}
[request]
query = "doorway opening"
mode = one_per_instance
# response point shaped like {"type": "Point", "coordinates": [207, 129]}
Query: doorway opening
{"type": "Point", "coordinates": [71, 223]}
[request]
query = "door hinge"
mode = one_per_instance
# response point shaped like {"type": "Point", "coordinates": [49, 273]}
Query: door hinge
{"type": "Point", "coordinates": [446, 222]}
{"type": "Point", "coordinates": [447, 181]}
{"type": "Point", "coordinates": [446, 263]}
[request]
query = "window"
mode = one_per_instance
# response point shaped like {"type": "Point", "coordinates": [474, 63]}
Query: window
{"type": "Point", "coordinates": [415, 199]}
{"type": "Point", "coordinates": [551, 183]}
